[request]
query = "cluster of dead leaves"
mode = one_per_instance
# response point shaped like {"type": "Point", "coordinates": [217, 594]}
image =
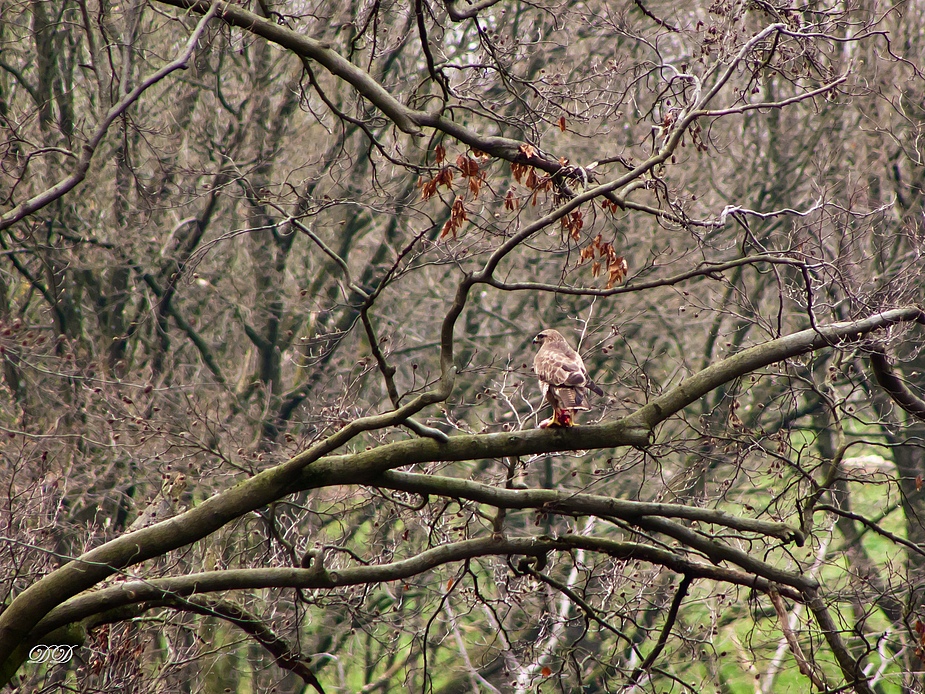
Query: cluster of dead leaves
{"type": "Point", "coordinates": [470, 169]}
{"type": "Point", "coordinates": [920, 633]}
{"type": "Point", "coordinates": [510, 201]}
{"type": "Point", "coordinates": [443, 178]}
{"type": "Point", "coordinates": [573, 223]}
{"type": "Point", "coordinates": [457, 217]}
{"type": "Point", "coordinates": [609, 206]}
{"type": "Point", "coordinates": [602, 253]}
{"type": "Point", "coordinates": [526, 175]}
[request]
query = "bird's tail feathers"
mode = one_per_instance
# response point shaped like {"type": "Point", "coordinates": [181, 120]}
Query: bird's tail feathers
{"type": "Point", "coordinates": [571, 398]}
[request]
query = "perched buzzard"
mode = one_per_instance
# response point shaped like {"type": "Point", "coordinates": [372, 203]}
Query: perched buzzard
{"type": "Point", "coordinates": [563, 378]}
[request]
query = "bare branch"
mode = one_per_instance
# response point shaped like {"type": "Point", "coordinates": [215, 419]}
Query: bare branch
{"type": "Point", "coordinates": [134, 592]}
{"type": "Point", "coordinates": [894, 384]}
{"type": "Point", "coordinates": [474, 7]}
{"type": "Point", "coordinates": [573, 503]}
{"type": "Point", "coordinates": [805, 667]}
{"type": "Point", "coordinates": [24, 209]}
{"type": "Point", "coordinates": [702, 270]}
{"type": "Point", "coordinates": [309, 48]}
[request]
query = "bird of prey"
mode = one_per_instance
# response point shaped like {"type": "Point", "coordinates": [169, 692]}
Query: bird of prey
{"type": "Point", "coordinates": [563, 378]}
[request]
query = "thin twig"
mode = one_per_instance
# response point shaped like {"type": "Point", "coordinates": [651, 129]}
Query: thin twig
{"type": "Point", "coordinates": [802, 663]}
{"type": "Point", "coordinates": [670, 620]}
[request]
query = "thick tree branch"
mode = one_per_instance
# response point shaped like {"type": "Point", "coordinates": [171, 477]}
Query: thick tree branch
{"type": "Point", "coordinates": [760, 356]}
{"type": "Point", "coordinates": [719, 552]}
{"type": "Point", "coordinates": [134, 592]}
{"type": "Point", "coordinates": [472, 8]}
{"type": "Point", "coordinates": [572, 503]}
{"type": "Point", "coordinates": [310, 470]}
{"type": "Point", "coordinates": [894, 384]}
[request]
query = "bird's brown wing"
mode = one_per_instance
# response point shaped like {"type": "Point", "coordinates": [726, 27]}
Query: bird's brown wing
{"type": "Point", "coordinates": [563, 378]}
{"type": "Point", "coordinates": [557, 368]}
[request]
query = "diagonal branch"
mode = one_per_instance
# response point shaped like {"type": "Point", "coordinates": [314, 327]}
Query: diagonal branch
{"type": "Point", "coordinates": [851, 668]}
{"type": "Point", "coordinates": [318, 51]}
{"type": "Point", "coordinates": [760, 356]}
{"type": "Point", "coordinates": [472, 10]}
{"type": "Point", "coordinates": [670, 620]}
{"type": "Point", "coordinates": [803, 664]}
{"type": "Point", "coordinates": [24, 209]}
{"type": "Point", "coordinates": [894, 384]}
{"type": "Point", "coordinates": [286, 656]}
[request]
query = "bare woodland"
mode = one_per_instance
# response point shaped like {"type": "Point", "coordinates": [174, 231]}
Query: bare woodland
{"type": "Point", "coordinates": [269, 275]}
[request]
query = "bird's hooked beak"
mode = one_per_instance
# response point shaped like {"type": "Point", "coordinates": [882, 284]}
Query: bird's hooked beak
{"type": "Point", "coordinates": [537, 340]}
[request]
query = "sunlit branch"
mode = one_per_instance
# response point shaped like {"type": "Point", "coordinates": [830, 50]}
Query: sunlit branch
{"type": "Point", "coordinates": [730, 70]}
{"type": "Point", "coordinates": [407, 119]}
{"type": "Point", "coordinates": [663, 214]}
{"type": "Point", "coordinates": [745, 108]}
{"type": "Point", "coordinates": [472, 9]}
{"type": "Point", "coordinates": [735, 209]}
